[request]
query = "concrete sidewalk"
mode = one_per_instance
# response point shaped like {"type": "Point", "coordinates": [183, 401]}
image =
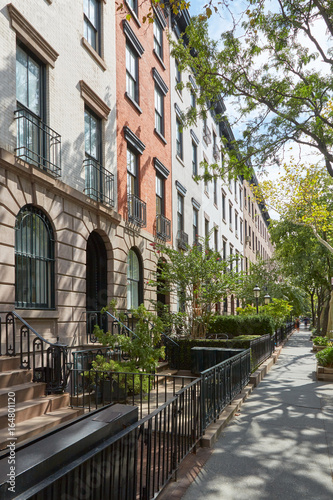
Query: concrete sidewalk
{"type": "Point", "coordinates": [280, 446]}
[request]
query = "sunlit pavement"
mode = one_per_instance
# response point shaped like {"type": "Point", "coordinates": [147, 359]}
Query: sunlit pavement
{"type": "Point", "coordinates": [281, 444]}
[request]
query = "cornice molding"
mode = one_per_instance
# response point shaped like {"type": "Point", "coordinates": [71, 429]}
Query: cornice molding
{"type": "Point", "coordinates": [31, 38]}
{"type": "Point", "coordinates": [94, 102]}
{"type": "Point", "coordinates": [134, 140]}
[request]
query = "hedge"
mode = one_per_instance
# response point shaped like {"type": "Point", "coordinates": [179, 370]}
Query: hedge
{"type": "Point", "coordinates": [234, 326]}
{"type": "Point", "coordinates": [180, 358]}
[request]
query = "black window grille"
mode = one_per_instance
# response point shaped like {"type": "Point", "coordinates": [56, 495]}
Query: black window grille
{"type": "Point", "coordinates": [34, 260]}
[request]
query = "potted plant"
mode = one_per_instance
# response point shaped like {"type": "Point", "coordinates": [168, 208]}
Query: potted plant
{"type": "Point", "coordinates": [325, 364]}
{"type": "Point", "coordinates": [320, 343]}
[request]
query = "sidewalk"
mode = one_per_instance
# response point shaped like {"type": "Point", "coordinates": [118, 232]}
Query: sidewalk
{"type": "Point", "coordinates": [281, 444]}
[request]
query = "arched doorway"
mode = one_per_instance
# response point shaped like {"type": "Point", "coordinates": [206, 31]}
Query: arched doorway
{"type": "Point", "coordinates": [96, 277]}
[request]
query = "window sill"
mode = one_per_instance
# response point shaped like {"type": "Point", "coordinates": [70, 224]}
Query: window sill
{"type": "Point", "coordinates": [180, 160]}
{"type": "Point", "coordinates": [133, 102]}
{"type": "Point", "coordinates": [160, 60]}
{"type": "Point", "coordinates": [179, 93]}
{"type": "Point", "coordinates": [37, 313]}
{"type": "Point", "coordinates": [195, 180]}
{"type": "Point", "coordinates": [225, 222]}
{"type": "Point", "coordinates": [94, 54]}
{"type": "Point", "coordinates": [215, 205]}
{"type": "Point", "coordinates": [133, 14]}
{"type": "Point", "coordinates": [160, 136]}
{"type": "Point", "coordinates": [206, 193]}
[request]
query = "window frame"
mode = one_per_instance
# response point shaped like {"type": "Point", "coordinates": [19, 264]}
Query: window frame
{"type": "Point", "coordinates": [180, 215]}
{"type": "Point", "coordinates": [46, 279]}
{"type": "Point", "coordinates": [130, 51]}
{"type": "Point", "coordinates": [159, 114]}
{"type": "Point", "coordinates": [131, 281]}
{"type": "Point", "coordinates": [158, 44]}
{"type": "Point", "coordinates": [97, 45]}
{"type": "Point", "coordinates": [179, 139]}
{"type": "Point", "coordinates": [194, 158]}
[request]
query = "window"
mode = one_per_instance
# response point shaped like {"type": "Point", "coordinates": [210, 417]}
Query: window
{"type": "Point", "coordinates": [207, 229]}
{"type": "Point", "coordinates": [178, 74]}
{"type": "Point", "coordinates": [132, 173]}
{"type": "Point", "coordinates": [193, 99]}
{"type": "Point", "coordinates": [245, 229]}
{"type": "Point", "coordinates": [34, 260]}
{"type": "Point", "coordinates": [180, 212]}
{"type": "Point", "coordinates": [132, 73]}
{"type": "Point", "coordinates": [236, 223]}
{"type": "Point", "coordinates": [224, 250]}
{"type": "Point", "coordinates": [244, 197]}
{"type": "Point", "coordinates": [241, 230]}
{"type": "Point", "coordinates": [216, 239]}
{"type": "Point", "coordinates": [240, 198]}
{"type": "Point", "coordinates": [230, 216]}
{"type": "Point", "coordinates": [194, 159]}
{"type": "Point", "coordinates": [133, 5]}
{"type": "Point", "coordinates": [91, 11]}
{"type": "Point", "coordinates": [159, 111]}
{"type": "Point", "coordinates": [158, 38]}
{"type": "Point", "coordinates": [223, 206]}
{"type": "Point", "coordinates": [92, 142]}
{"type": "Point", "coordinates": [249, 205]}
{"type": "Point", "coordinates": [179, 138]}
{"type": "Point", "coordinates": [92, 135]}
{"type": "Point", "coordinates": [215, 190]}
{"type": "Point", "coordinates": [36, 143]}
{"type": "Point", "coordinates": [159, 195]}
{"type": "Point", "coordinates": [134, 281]}
{"type": "Point", "coordinates": [195, 225]}
{"type": "Point", "coordinates": [235, 189]}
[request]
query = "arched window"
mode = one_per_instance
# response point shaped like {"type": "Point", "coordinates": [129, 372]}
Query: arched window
{"type": "Point", "coordinates": [34, 260]}
{"type": "Point", "coordinates": [134, 295]}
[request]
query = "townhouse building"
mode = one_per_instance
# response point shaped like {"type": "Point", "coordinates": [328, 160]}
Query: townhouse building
{"type": "Point", "coordinates": [95, 165]}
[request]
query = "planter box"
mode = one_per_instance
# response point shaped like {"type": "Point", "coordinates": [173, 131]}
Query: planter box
{"type": "Point", "coordinates": [324, 373]}
{"type": "Point", "coordinates": [317, 348]}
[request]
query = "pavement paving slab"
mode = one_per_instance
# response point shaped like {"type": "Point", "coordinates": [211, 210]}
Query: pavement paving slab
{"type": "Point", "coordinates": [280, 444]}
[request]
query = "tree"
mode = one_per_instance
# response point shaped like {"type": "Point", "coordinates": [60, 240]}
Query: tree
{"type": "Point", "coordinates": [302, 194]}
{"type": "Point", "coordinates": [271, 278]}
{"type": "Point", "coordinates": [307, 263]}
{"type": "Point", "coordinates": [198, 278]}
{"type": "Point", "coordinates": [278, 71]}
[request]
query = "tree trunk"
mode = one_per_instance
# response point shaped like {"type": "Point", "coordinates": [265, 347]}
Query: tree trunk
{"type": "Point", "coordinates": [313, 309]}
{"type": "Point", "coordinates": [325, 313]}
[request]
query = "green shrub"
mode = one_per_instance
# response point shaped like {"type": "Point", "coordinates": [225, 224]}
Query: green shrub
{"type": "Point", "coordinates": [234, 326]}
{"type": "Point", "coordinates": [322, 341]}
{"type": "Point", "coordinates": [325, 357]}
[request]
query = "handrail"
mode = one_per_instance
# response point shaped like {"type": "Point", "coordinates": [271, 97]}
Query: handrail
{"type": "Point", "coordinates": [36, 333]}
{"type": "Point", "coordinates": [48, 364]}
{"type": "Point", "coordinates": [121, 323]}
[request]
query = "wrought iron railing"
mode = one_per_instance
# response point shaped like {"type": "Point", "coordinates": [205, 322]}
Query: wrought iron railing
{"type": "Point", "coordinates": [221, 383]}
{"type": "Point", "coordinates": [37, 143]}
{"type": "Point", "coordinates": [136, 210]}
{"type": "Point", "coordinates": [99, 182]}
{"type": "Point", "coordinates": [108, 322]}
{"type": "Point", "coordinates": [137, 462]}
{"type": "Point", "coordinates": [261, 349]}
{"type": "Point", "coordinates": [182, 240]}
{"type": "Point", "coordinates": [163, 227]}
{"type": "Point", "coordinates": [48, 360]}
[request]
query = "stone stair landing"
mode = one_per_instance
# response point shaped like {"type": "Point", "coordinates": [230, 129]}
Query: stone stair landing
{"type": "Point", "coordinates": [35, 412]}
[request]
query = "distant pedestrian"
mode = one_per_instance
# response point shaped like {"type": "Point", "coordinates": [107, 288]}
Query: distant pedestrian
{"type": "Point", "coordinates": [306, 322]}
{"type": "Point", "coordinates": [297, 324]}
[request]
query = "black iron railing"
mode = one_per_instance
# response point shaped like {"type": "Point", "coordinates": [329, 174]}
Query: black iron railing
{"type": "Point", "coordinates": [136, 463]}
{"type": "Point", "coordinates": [261, 349]}
{"type": "Point", "coordinates": [99, 182]}
{"type": "Point", "coordinates": [163, 227]}
{"type": "Point", "coordinates": [221, 383]}
{"type": "Point", "coordinates": [37, 143]}
{"type": "Point", "coordinates": [48, 360]}
{"type": "Point", "coordinates": [136, 210]}
{"type": "Point", "coordinates": [108, 322]}
{"type": "Point", "coordinates": [182, 240]}
{"type": "Point", "coordinates": [91, 389]}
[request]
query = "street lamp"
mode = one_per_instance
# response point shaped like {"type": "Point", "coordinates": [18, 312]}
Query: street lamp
{"type": "Point", "coordinates": [256, 292]}
{"type": "Point", "coordinates": [267, 299]}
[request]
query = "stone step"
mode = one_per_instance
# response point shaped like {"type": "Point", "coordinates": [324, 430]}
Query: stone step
{"type": "Point", "coordinates": [34, 408]}
{"type": "Point", "coordinates": [8, 363]}
{"type": "Point", "coordinates": [29, 428]}
{"type": "Point", "coordinates": [14, 377]}
{"type": "Point", "coordinates": [23, 392]}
